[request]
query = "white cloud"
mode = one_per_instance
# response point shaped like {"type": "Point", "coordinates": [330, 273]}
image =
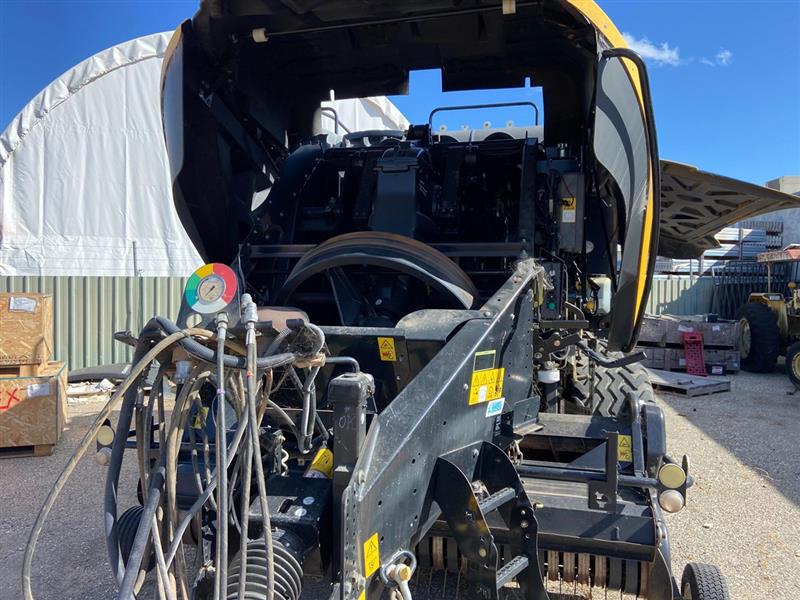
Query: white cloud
{"type": "Point", "coordinates": [659, 54]}
{"type": "Point", "coordinates": [721, 59]}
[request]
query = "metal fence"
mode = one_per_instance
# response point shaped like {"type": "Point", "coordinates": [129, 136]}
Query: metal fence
{"type": "Point", "coordinates": [88, 310]}
{"type": "Point", "coordinates": [680, 295]}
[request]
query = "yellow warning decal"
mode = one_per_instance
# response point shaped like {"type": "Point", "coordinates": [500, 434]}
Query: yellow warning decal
{"type": "Point", "coordinates": [387, 349]}
{"type": "Point", "coordinates": [568, 212]}
{"type": "Point", "coordinates": [363, 594]}
{"type": "Point", "coordinates": [624, 449]}
{"type": "Point", "coordinates": [486, 385]}
{"type": "Point", "coordinates": [200, 418]}
{"type": "Point", "coordinates": [322, 463]}
{"type": "Point", "coordinates": [372, 556]}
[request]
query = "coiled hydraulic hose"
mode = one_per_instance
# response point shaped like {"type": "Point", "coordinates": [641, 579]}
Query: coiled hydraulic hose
{"type": "Point", "coordinates": [142, 359]}
{"type": "Point", "coordinates": [163, 475]}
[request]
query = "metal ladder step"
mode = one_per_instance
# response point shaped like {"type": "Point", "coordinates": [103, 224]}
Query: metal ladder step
{"type": "Point", "coordinates": [497, 500]}
{"type": "Point", "coordinates": [511, 569]}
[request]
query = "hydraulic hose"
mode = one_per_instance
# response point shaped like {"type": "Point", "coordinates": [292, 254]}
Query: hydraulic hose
{"type": "Point", "coordinates": [207, 492]}
{"type": "Point", "coordinates": [161, 477]}
{"type": "Point", "coordinates": [142, 360]}
{"type": "Point", "coordinates": [208, 355]}
{"type": "Point", "coordinates": [220, 574]}
{"type": "Point", "coordinates": [250, 317]}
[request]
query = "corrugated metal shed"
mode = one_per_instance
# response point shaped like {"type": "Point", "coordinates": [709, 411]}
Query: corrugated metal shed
{"type": "Point", "coordinates": [680, 295]}
{"type": "Point", "coordinates": [88, 310]}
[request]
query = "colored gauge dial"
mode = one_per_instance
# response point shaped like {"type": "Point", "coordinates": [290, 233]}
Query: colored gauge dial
{"type": "Point", "coordinates": [211, 288]}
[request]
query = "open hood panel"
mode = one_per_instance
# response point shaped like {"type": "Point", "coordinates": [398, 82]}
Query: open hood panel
{"type": "Point", "coordinates": [695, 205]}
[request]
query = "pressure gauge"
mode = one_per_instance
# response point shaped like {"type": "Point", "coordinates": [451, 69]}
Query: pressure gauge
{"type": "Point", "coordinates": [210, 288]}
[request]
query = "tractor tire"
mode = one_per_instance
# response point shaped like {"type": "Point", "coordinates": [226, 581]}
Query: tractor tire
{"type": "Point", "coordinates": [127, 524]}
{"type": "Point", "coordinates": [606, 392]}
{"type": "Point", "coordinates": [793, 364]}
{"type": "Point", "coordinates": [759, 338]}
{"type": "Point", "coordinates": [703, 582]}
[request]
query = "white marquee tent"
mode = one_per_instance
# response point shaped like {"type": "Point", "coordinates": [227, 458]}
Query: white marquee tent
{"type": "Point", "coordinates": [84, 181]}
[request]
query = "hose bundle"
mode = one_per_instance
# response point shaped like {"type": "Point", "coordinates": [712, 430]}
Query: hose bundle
{"type": "Point", "coordinates": [243, 382]}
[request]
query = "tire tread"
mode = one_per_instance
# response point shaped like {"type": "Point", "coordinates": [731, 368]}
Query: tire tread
{"type": "Point", "coordinates": [705, 581]}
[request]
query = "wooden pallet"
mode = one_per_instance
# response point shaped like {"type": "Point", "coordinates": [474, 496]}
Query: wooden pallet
{"type": "Point", "coordinates": [667, 331]}
{"type": "Point", "coordinates": [26, 451]}
{"type": "Point", "coordinates": [687, 385]}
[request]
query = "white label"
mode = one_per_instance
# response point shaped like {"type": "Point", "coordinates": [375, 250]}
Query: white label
{"type": "Point", "coordinates": [715, 328]}
{"type": "Point", "coordinates": [685, 328]}
{"type": "Point", "coordinates": [482, 394]}
{"type": "Point", "coordinates": [22, 304]}
{"type": "Point", "coordinates": [568, 216]}
{"type": "Point", "coordinates": [682, 362]}
{"type": "Point", "coordinates": [495, 407]}
{"type": "Point", "coordinates": [38, 389]}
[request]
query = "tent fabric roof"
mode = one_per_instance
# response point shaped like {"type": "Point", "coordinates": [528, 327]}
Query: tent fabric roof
{"type": "Point", "coordinates": [73, 81]}
{"type": "Point", "coordinates": [84, 184]}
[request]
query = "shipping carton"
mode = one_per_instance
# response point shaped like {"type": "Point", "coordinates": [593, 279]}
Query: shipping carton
{"type": "Point", "coordinates": [26, 328]}
{"type": "Point", "coordinates": [33, 409]}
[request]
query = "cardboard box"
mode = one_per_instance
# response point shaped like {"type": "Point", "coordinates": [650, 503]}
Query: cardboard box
{"type": "Point", "coordinates": [26, 328]}
{"type": "Point", "coordinates": [33, 409]}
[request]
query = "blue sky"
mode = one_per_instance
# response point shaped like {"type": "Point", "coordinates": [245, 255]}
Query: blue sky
{"type": "Point", "coordinates": [725, 74]}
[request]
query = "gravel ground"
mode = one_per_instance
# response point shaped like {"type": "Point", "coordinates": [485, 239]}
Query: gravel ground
{"type": "Point", "coordinates": [743, 513]}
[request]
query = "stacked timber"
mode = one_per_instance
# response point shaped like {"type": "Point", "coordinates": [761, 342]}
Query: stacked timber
{"type": "Point", "coordinates": [741, 242]}
{"type": "Point", "coordinates": [661, 338]}
{"type": "Point", "coordinates": [32, 386]}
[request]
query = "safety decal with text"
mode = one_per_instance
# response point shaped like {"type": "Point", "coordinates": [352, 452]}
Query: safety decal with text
{"type": "Point", "coordinates": [568, 210]}
{"type": "Point", "coordinates": [387, 350]}
{"type": "Point", "coordinates": [624, 449]}
{"type": "Point", "coordinates": [487, 381]}
{"type": "Point", "coordinates": [372, 557]}
{"type": "Point", "coordinates": [200, 418]}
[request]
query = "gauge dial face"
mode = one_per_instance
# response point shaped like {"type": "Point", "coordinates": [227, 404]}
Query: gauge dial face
{"type": "Point", "coordinates": [211, 288]}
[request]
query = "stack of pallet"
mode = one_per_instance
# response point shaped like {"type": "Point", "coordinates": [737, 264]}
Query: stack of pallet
{"type": "Point", "coordinates": [32, 386]}
{"type": "Point", "coordinates": [662, 340]}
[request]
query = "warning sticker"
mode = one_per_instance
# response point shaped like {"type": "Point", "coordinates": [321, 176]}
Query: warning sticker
{"type": "Point", "coordinates": [323, 463]}
{"type": "Point", "coordinates": [363, 594]}
{"type": "Point", "coordinates": [486, 385]}
{"type": "Point", "coordinates": [387, 349]}
{"type": "Point", "coordinates": [568, 211]}
{"type": "Point", "coordinates": [372, 557]}
{"type": "Point", "coordinates": [624, 449]}
{"type": "Point", "coordinates": [200, 418]}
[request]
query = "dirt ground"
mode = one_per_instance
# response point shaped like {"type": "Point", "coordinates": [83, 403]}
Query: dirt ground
{"type": "Point", "coordinates": [743, 513]}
